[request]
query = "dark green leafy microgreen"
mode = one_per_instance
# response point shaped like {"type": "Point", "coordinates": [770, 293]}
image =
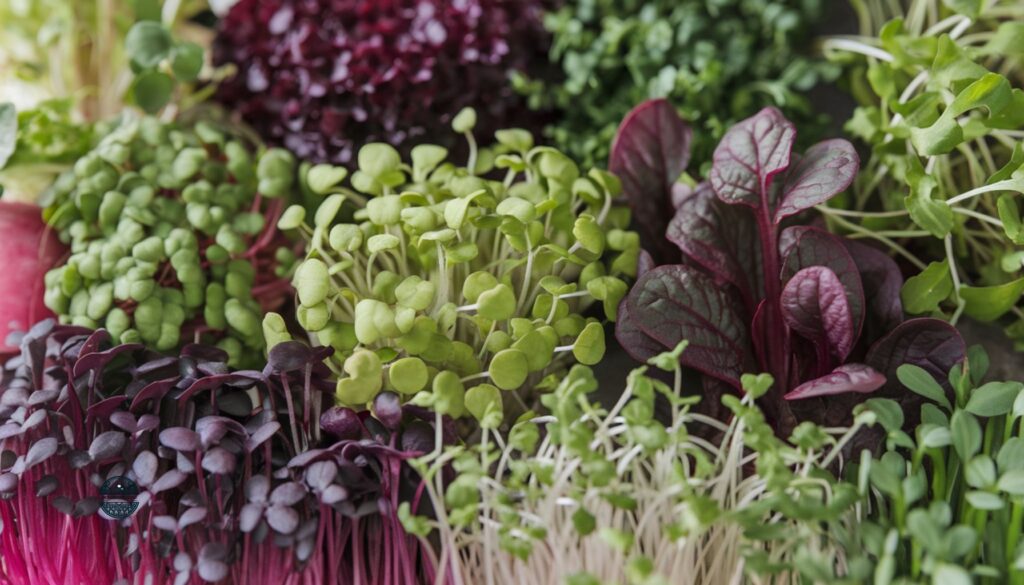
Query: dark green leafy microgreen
{"type": "Point", "coordinates": [244, 461]}
{"type": "Point", "coordinates": [173, 237]}
{"type": "Point", "coordinates": [946, 501]}
{"type": "Point", "coordinates": [628, 488]}
{"type": "Point", "coordinates": [941, 114]}
{"type": "Point", "coordinates": [760, 291]}
{"type": "Point", "coordinates": [448, 284]}
{"type": "Point", "coordinates": [715, 61]}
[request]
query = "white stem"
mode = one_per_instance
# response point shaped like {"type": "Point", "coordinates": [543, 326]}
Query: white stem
{"type": "Point", "coordinates": [1006, 185]}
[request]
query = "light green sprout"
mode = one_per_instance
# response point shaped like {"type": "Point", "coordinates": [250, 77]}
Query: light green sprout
{"type": "Point", "coordinates": [464, 281]}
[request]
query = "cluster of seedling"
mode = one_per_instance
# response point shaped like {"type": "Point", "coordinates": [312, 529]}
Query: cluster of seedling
{"type": "Point", "coordinates": [169, 236]}
{"type": "Point", "coordinates": [448, 284]}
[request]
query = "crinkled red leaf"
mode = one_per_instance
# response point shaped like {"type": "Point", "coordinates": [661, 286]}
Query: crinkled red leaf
{"type": "Point", "coordinates": [882, 281]}
{"type": "Point", "coordinates": [673, 303]}
{"type": "Point", "coordinates": [722, 239]}
{"type": "Point", "coordinates": [934, 345]}
{"type": "Point", "coordinates": [650, 152]}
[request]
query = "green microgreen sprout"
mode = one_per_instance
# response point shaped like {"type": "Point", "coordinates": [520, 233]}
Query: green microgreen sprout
{"type": "Point", "coordinates": [466, 282]}
{"type": "Point", "coordinates": [693, 500]}
{"type": "Point", "coordinates": [173, 238]}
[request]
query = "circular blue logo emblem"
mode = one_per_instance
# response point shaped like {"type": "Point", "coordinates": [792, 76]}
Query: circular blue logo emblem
{"type": "Point", "coordinates": [119, 495]}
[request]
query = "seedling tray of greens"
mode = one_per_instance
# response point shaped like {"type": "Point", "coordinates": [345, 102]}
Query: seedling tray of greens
{"type": "Point", "coordinates": [548, 292]}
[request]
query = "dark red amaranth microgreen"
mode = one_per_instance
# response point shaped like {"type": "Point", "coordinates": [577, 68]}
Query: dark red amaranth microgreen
{"type": "Point", "coordinates": [321, 77]}
{"type": "Point", "coordinates": [239, 482]}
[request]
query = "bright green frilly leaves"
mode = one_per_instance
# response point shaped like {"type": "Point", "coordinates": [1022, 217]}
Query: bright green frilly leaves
{"type": "Point", "coordinates": [463, 284]}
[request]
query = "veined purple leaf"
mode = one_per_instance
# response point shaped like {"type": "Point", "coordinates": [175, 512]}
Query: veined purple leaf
{"type": "Point", "coordinates": [882, 281]}
{"type": "Point", "coordinates": [673, 303]}
{"type": "Point", "coordinates": [639, 345]}
{"type": "Point", "coordinates": [650, 152]}
{"type": "Point", "coordinates": [825, 170]}
{"type": "Point", "coordinates": [935, 346]}
{"type": "Point", "coordinates": [857, 378]}
{"type": "Point", "coordinates": [814, 305]}
{"type": "Point", "coordinates": [750, 154]}
{"type": "Point", "coordinates": [722, 239]}
{"type": "Point", "coordinates": [815, 247]}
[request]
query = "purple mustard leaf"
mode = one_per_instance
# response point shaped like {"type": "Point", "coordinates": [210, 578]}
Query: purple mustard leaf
{"type": "Point", "coordinates": [825, 170]}
{"type": "Point", "coordinates": [721, 239]}
{"type": "Point", "coordinates": [649, 154]}
{"type": "Point", "coordinates": [814, 305]}
{"type": "Point", "coordinates": [673, 303]}
{"type": "Point", "coordinates": [749, 156]}
{"type": "Point", "coordinates": [638, 344]}
{"type": "Point", "coordinates": [882, 281]}
{"type": "Point", "coordinates": [815, 247]}
{"type": "Point", "coordinates": [934, 345]}
{"type": "Point", "coordinates": [852, 377]}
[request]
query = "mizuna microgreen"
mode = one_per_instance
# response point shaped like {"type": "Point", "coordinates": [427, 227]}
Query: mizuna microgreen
{"type": "Point", "coordinates": [760, 291]}
{"type": "Point", "coordinates": [173, 237]}
{"type": "Point", "coordinates": [434, 280]}
{"type": "Point", "coordinates": [942, 114]}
